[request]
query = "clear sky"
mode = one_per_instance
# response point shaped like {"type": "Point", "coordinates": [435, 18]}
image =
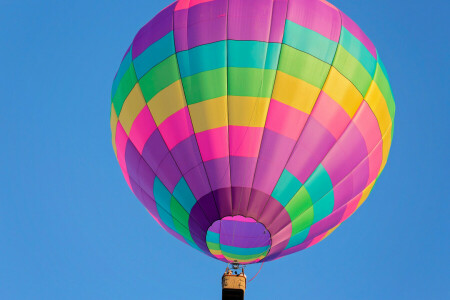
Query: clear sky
{"type": "Point", "coordinates": [70, 228]}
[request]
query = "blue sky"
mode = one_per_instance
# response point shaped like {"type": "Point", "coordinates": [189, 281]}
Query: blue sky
{"type": "Point", "coordinates": [70, 228]}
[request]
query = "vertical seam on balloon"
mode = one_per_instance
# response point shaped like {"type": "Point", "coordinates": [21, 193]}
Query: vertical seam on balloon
{"type": "Point", "coordinates": [290, 155]}
{"type": "Point", "coordinates": [184, 93]}
{"type": "Point", "coordinates": [345, 177]}
{"type": "Point", "coordinates": [270, 100]}
{"type": "Point", "coordinates": [350, 172]}
{"type": "Point", "coordinates": [169, 153]}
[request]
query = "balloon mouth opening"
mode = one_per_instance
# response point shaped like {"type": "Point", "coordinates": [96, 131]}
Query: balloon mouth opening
{"type": "Point", "coordinates": [238, 239]}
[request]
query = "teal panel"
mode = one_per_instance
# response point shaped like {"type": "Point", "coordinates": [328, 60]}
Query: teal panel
{"type": "Point", "coordinates": [318, 184]}
{"type": "Point", "coordinates": [166, 218]}
{"type": "Point", "coordinates": [213, 237]}
{"type": "Point", "coordinates": [309, 41]}
{"type": "Point", "coordinates": [184, 195]}
{"type": "Point", "coordinates": [123, 68]}
{"type": "Point", "coordinates": [154, 54]}
{"type": "Point", "coordinates": [298, 238]}
{"type": "Point", "coordinates": [286, 188]}
{"type": "Point", "coordinates": [243, 251]}
{"type": "Point", "coordinates": [202, 58]}
{"type": "Point", "coordinates": [161, 194]}
{"type": "Point", "coordinates": [358, 50]}
{"type": "Point", "coordinates": [323, 207]}
{"type": "Point", "coordinates": [253, 54]}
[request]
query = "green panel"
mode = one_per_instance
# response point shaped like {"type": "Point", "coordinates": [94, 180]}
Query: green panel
{"type": "Point", "coordinates": [318, 184]}
{"type": "Point", "coordinates": [352, 69]}
{"type": "Point", "coordinates": [250, 82]}
{"type": "Point", "coordinates": [205, 85]}
{"type": "Point", "coordinates": [323, 207]}
{"type": "Point", "coordinates": [125, 86]}
{"type": "Point", "coordinates": [180, 219]}
{"type": "Point", "coordinates": [385, 88]}
{"type": "Point", "coordinates": [213, 246]}
{"type": "Point", "coordinates": [123, 68]}
{"type": "Point", "coordinates": [159, 77]}
{"type": "Point", "coordinates": [286, 188]}
{"type": "Point", "coordinates": [303, 221]}
{"type": "Point", "coordinates": [303, 66]}
{"type": "Point", "coordinates": [299, 204]}
{"type": "Point", "coordinates": [298, 238]}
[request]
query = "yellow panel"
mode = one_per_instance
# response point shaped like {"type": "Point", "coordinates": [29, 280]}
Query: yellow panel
{"type": "Point", "coordinates": [378, 106]}
{"type": "Point", "coordinates": [209, 114]}
{"type": "Point", "coordinates": [247, 111]}
{"type": "Point", "coordinates": [133, 105]}
{"type": "Point", "coordinates": [295, 92]}
{"type": "Point", "coordinates": [167, 102]}
{"type": "Point", "coordinates": [365, 194]}
{"type": "Point", "coordinates": [387, 139]}
{"type": "Point", "coordinates": [341, 90]}
{"type": "Point", "coordinates": [113, 121]}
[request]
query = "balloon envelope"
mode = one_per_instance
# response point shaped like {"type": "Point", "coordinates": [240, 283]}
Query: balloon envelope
{"type": "Point", "coordinates": [251, 129]}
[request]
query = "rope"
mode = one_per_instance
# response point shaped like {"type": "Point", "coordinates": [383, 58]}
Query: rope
{"type": "Point", "coordinates": [256, 273]}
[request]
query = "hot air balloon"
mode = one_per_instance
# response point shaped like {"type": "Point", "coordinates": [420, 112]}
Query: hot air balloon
{"type": "Point", "coordinates": [251, 129]}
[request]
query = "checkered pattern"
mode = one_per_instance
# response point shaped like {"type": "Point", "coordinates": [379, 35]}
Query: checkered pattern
{"type": "Point", "coordinates": [273, 113]}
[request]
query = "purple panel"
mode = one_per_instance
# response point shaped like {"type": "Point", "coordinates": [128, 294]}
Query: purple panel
{"type": "Point", "coordinates": [256, 203]}
{"type": "Point", "coordinates": [349, 150]}
{"type": "Point", "coordinates": [326, 223]}
{"type": "Point", "coordinates": [243, 234]}
{"type": "Point", "coordinates": [186, 154]}
{"type": "Point", "coordinates": [218, 171]}
{"type": "Point", "coordinates": [146, 177]}
{"type": "Point", "coordinates": [154, 30]}
{"type": "Point", "coordinates": [132, 158]}
{"type": "Point", "coordinates": [278, 21]}
{"type": "Point", "coordinates": [240, 197]}
{"type": "Point", "coordinates": [354, 29]}
{"type": "Point", "coordinates": [242, 171]}
{"type": "Point", "coordinates": [316, 15]}
{"type": "Point", "coordinates": [274, 153]}
{"type": "Point", "coordinates": [314, 143]}
{"type": "Point", "coordinates": [155, 150]}
{"type": "Point", "coordinates": [201, 24]}
{"type": "Point", "coordinates": [252, 20]}
{"type": "Point", "coordinates": [270, 211]}
{"type": "Point", "coordinates": [168, 173]}
{"type": "Point", "coordinates": [223, 201]}
{"type": "Point", "coordinates": [198, 181]}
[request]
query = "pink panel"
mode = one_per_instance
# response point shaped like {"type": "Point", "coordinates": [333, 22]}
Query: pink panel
{"type": "Point", "coordinates": [351, 207]}
{"type": "Point", "coordinates": [317, 16]}
{"type": "Point", "coordinates": [245, 141]}
{"type": "Point", "coordinates": [330, 114]}
{"type": "Point", "coordinates": [143, 126]}
{"type": "Point", "coordinates": [375, 161]}
{"type": "Point", "coordinates": [367, 124]}
{"type": "Point", "coordinates": [359, 34]}
{"type": "Point", "coordinates": [285, 120]}
{"type": "Point", "coordinates": [121, 144]}
{"type": "Point", "coordinates": [213, 143]}
{"type": "Point", "coordinates": [185, 4]}
{"type": "Point", "coordinates": [176, 128]}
